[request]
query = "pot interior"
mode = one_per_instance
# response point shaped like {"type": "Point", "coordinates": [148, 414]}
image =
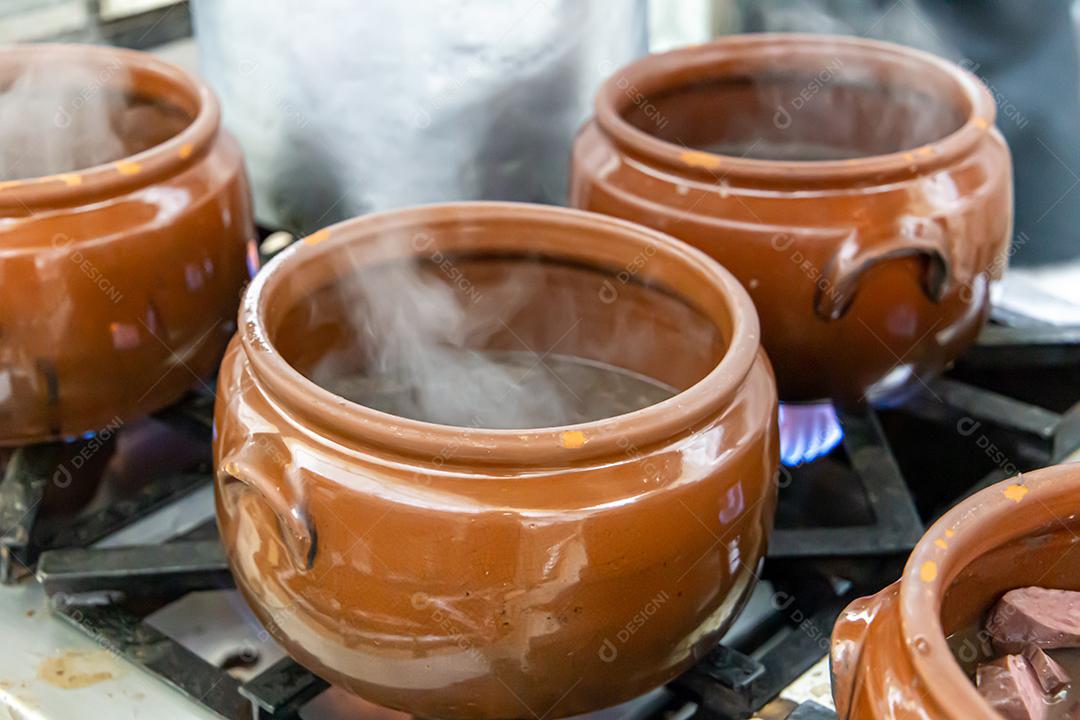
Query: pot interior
{"type": "Point", "coordinates": [64, 110]}
{"type": "Point", "coordinates": [1048, 557]}
{"type": "Point", "coordinates": [798, 106]}
{"type": "Point", "coordinates": [494, 337]}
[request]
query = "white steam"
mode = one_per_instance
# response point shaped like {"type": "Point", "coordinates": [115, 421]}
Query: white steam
{"type": "Point", "coordinates": [841, 97]}
{"type": "Point", "coordinates": [69, 113]}
{"type": "Point", "coordinates": [58, 116]}
{"type": "Point", "coordinates": [422, 329]}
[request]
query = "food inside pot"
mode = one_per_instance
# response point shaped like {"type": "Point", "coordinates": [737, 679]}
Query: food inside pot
{"type": "Point", "coordinates": [497, 341]}
{"type": "Point", "coordinates": [828, 110]}
{"type": "Point", "coordinates": [1025, 655]}
{"type": "Point", "coordinates": [64, 116]}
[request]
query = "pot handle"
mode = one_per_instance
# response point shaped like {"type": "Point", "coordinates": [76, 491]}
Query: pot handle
{"type": "Point", "coordinates": [846, 661]}
{"type": "Point", "coordinates": [914, 237]}
{"type": "Point", "coordinates": [295, 525]}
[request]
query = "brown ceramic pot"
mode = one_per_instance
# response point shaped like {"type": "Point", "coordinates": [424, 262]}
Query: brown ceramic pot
{"type": "Point", "coordinates": [857, 189]}
{"type": "Point", "coordinates": [119, 282]}
{"type": "Point", "coordinates": [890, 658]}
{"type": "Point", "coordinates": [461, 572]}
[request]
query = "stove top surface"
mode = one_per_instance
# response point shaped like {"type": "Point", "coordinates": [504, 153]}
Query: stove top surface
{"type": "Point", "coordinates": [132, 613]}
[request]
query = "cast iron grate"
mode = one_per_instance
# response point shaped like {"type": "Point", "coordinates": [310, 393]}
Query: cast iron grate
{"type": "Point", "coordinates": [815, 566]}
{"type": "Point", "coordinates": [33, 471]}
{"type": "Point", "coordinates": [95, 589]}
{"type": "Point", "coordinates": [894, 525]}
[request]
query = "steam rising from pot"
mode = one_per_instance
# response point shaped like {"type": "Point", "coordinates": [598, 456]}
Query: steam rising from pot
{"type": "Point", "coordinates": [825, 108]}
{"type": "Point", "coordinates": [423, 337]}
{"type": "Point", "coordinates": [55, 118]}
{"type": "Point", "coordinates": [834, 109]}
{"type": "Point", "coordinates": [905, 23]}
{"type": "Point", "coordinates": [819, 104]}
{"type": "Point", "coordinates": [62, 114]}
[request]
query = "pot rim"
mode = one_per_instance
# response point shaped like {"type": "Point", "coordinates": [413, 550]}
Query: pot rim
{"type": "Point", "coordinates": [347, 422]}
{"type": "Point", "coordinates": [164, 80]}
{"type": "Point", "coordinates": [1020, 506]}
{"type": "Point", "coordinates": [649, 74]}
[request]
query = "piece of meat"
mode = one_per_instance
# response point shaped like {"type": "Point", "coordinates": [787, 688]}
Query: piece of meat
{"type": "Point", "coordinates": [1052, 677]}
{"type": "Point", "coordinates": [1035, 616]}
{"type": "Point", "coordinates": [1009, 685]}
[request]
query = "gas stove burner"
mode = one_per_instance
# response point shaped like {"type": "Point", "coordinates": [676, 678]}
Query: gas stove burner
{"type": "Point", "coordinates": [75, 492]}
{"type": "Point", "coordinates": [848, 513]}
{"type": "Point", "coordinates": [807, 431]}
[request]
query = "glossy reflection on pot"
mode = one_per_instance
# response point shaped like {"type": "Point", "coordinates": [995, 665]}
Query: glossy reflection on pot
{"type": "Point", "coordinates": [890, 657]}
{"type": "Point", "coordinates": [119, 282]}
{"type": "Point", "coordinates": [463, 572]}
{"type": "Point", "coordinates": [857, 189]}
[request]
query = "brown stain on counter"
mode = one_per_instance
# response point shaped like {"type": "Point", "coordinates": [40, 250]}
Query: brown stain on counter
{"type": "Point", "coordinates": [75, 669]}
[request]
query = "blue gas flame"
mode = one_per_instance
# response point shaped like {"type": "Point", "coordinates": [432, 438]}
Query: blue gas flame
{"type": "Point", "coordinates": [807, 431]}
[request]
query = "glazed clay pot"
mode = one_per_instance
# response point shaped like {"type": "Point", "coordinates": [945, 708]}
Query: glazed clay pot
{"type": "Point", "coordinates": [890, 658]}
{"type": "Point", "coordinates": [465, 572]}
{"type": "Point", "coordinates": [857, 189]}
{"type": "Point", "coordinates": [119, 283]}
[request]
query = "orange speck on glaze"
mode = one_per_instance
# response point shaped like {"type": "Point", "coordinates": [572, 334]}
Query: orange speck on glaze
{"type": "Point", "coordinates": [925, 151]}
{"type": "Point", "coordinates": [128, 167]}
{"type": "Point", "coordinates": [928, 571]}
{"type": "Point", "coordinates": [185, 150]}
{"type": "Point", "coordinates": [572, 439]}
{"type": "Point", "coordinates": [1015, 493]}
{"type": "Point", "coordinates": [9, 184]}
{"type": "Point", "coordinates": [941, 543]}
{"type": "Point", "coordinates": [317, 237]}
{"type": "Point", "coordinates": [981, 122]}
{"type": "Point", "coordinates": [70, 179]}
{"type": "Point", "coordinates": [949, 533]}
{"type": "Point", "coordinates": [696, 158]}
{"type": "Point", "coordinates": [909, 156]}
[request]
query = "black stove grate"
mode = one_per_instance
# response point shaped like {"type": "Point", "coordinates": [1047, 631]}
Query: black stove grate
{"type": "Point", "coordinates": [822, 554]}
{"type": "Point", "coordinates": [33, 472]}
{"type": "Point", "coordinates": [894, 525]}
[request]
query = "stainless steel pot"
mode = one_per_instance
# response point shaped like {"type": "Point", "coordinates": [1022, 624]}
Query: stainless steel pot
{"type": "Point", "coordinates": [342, 110]}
